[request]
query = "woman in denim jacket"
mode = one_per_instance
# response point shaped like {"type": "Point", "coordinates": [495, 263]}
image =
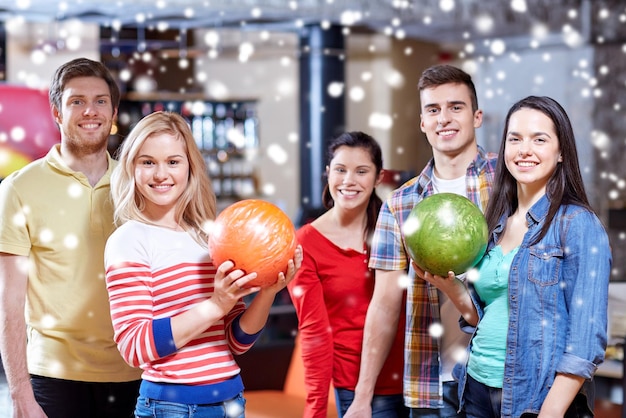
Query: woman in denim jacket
{"type": "Point", "coordinates": [539, 299]}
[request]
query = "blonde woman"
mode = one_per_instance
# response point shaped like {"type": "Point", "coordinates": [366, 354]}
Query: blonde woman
{"type": "Point", "coordinates": [175, 314]}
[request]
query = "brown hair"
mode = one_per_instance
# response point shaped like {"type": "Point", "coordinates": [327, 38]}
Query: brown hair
{"type": "Point", "coordinates": [358, 140]}
{"type": "Point", "coordinates": [438, 75]}
{"type": "Point", "coordinates": [81, 67]}
{"type": "Point", "coordinates": [564, 187]}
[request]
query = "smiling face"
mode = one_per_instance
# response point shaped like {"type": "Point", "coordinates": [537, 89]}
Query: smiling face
{"type": "Point", "coordinates": [532, 149]}
{"type": "Point", "coordinates": [447, 119]}
{"type": "Point", "coordinates": [86, 115]}
{"type": "Point", "coordinates": [161, 174]}
{"type": "Point", "coordinates": [352, 177]}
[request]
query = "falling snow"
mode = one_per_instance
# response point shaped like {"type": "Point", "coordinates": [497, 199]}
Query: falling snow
{"type": "Point", "coordinates": [480, 47]}
{"type": "Point", "coordinates": [583, 67]}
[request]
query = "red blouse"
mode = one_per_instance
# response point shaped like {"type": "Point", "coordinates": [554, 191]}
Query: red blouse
{"type": "Point", "coordinates": [331, 293]}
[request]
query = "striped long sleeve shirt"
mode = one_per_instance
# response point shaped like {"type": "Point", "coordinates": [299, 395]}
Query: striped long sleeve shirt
{"type": "Point", "coordinates": [153, 274]}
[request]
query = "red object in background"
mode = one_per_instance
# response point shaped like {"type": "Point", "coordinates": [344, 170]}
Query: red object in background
{"type": "Point", "coordinates": [27, 128]}
{"type": "Point", "coordinates": [257, 236]}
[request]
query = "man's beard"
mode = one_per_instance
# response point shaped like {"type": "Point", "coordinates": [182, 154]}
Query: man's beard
{"type": "Point", "coordinates": [79, 146]}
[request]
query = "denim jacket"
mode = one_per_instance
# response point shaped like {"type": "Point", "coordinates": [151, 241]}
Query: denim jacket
{"type": "Point", "coordinates": [558, 297]}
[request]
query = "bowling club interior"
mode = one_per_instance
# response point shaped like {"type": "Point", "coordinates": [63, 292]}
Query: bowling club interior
{"type": "Point", "coordinates": [266, 83]}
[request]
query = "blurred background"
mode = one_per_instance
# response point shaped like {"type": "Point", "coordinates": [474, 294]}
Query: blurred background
{"type": "Point", "coordinates": [266, 83]}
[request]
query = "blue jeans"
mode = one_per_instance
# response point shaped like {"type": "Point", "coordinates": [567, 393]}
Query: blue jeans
{"type": "Point", "coordinates": [151, 408]}
{"type": "Point", "coordinates": [383, 406]}
{"type": "Point", "coordinates": [450, 405]}
{"type": "Point", "coordinates": [481, 401]}
{"type": "Point", "coordinates": [61, 398]}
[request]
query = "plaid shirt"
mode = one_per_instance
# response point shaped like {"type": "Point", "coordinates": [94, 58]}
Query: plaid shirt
{"type": "Point", "coordinates": [422, 377]}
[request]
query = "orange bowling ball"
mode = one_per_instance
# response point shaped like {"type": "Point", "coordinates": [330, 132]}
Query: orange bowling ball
{"type": "Point", "coordinates": [255, 235]}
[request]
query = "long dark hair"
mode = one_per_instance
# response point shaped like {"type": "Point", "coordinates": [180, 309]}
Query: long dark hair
{"type": "Point", "coordinates": [564, 187]}
{"type": "Point", "coordinates": [357, 139]}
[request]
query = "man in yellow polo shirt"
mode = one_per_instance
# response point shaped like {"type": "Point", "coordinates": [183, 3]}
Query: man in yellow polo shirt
{"type": "Point", "coordinates": [56, 335]}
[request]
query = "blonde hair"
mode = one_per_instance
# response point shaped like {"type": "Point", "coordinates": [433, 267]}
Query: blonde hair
{"type": "Point", "coordinates": [195, 206]}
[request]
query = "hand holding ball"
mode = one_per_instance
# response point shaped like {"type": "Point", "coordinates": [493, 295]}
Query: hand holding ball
{"type": "Point", "coordinates": [445, 232]}
{"type": "Point", "coordinates": [257, 237]}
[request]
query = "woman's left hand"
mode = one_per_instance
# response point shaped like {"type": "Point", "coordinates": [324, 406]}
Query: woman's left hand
{"type": "Point", "coordinates": [445, 284]}
{"type": "Point", "coordinates": [283, 279]}
{"type": "Point", "coordinates": [456, 291]}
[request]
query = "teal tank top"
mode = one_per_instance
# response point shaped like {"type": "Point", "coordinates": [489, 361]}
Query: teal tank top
{"type": "Point", "coordinates": [486, 360]}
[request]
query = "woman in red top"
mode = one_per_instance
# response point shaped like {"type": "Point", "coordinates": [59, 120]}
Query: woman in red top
{"type": "Point", "coordinates": [333, 288]}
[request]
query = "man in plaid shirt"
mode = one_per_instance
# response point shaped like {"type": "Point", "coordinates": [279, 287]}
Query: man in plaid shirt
{"type": "Point", "coordinates": [434, 342]}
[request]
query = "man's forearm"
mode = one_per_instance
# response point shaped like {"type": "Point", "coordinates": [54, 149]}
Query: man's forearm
{"type": "Point", "coordinates": [380, 329]}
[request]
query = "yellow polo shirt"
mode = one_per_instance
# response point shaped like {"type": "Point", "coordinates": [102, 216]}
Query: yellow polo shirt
{"type": "Point", "coordinates": [52, 214]}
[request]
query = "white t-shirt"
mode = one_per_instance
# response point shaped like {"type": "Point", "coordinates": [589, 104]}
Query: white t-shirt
{"type": "Point", "coordinates": [453, 340]}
